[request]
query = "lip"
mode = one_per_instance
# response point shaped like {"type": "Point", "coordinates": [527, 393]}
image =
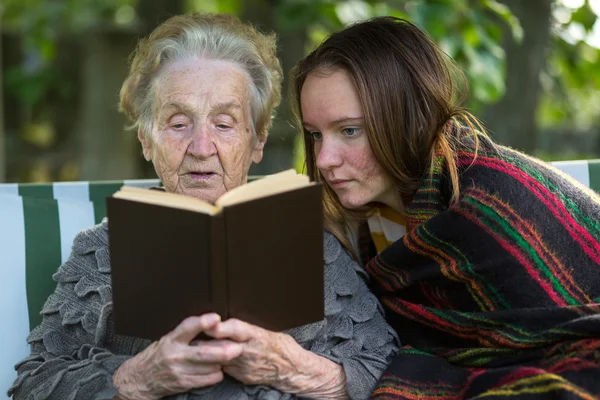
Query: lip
{"type": "Point", "coordinates": [201, 175]}
{"type": "Point", "coordinates": [339, 183]}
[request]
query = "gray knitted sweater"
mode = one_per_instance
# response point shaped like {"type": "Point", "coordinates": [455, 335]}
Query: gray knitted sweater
{"type": "Point", "coordinates": [75, 351]}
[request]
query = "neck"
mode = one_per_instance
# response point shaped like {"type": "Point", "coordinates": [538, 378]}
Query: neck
{"type": "Point", "coordinates": [393, 200]}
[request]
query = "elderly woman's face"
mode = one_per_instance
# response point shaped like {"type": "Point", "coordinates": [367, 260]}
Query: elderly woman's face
{"type": "Point", "coordinates": [202, 143]}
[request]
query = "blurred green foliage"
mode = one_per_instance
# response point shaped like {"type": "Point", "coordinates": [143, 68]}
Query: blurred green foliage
{"type": "Point", "coordinates": [571, 81]}
{"type": "Point", "coordinates": [40, 24]}
{"type": "Point", "coordinates": [465, 29]}
{"type": "Point", "coordinates": [470, 31]}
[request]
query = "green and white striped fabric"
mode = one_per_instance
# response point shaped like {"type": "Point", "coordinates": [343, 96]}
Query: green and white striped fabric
{"type": "Point", "coordinates": [37, 225]}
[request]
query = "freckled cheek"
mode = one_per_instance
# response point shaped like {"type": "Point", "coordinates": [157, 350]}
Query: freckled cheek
{"type": "Point", "coordinates": [370, 171]}
{"type": "Point", "coordinates": [359, 160]}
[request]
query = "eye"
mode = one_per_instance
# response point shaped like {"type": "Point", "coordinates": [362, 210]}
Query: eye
{"type": "Point", "coordinates": [178, 127]}
{"type": "Point", "coordinates": [350, 132]}
{"type": "Point", "coordinates": [224, 122]}
{"type": "Point", "coordinates": [316, 135]}
{"type": "Point", "coordinates": [178, 122]}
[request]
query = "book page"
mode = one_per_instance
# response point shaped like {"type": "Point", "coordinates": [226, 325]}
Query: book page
{"type": "Point", "coordinates": [267, 186]}
{"type": "Point", "coordinates": [173, 200]}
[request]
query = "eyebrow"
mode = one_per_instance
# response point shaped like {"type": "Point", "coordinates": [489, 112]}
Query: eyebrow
{"type": "Point", "coordinates": [231, 105]}
{"type": "Point", "coordinates": [179, 108]}
{"type": "Point", "coordinates": [339, 121]}
{"type": "Point", "coordinates": [216, 109]}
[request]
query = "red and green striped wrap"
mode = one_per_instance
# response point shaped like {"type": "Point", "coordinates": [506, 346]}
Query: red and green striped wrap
{"type": "Point", "coordinates": [497, 295]}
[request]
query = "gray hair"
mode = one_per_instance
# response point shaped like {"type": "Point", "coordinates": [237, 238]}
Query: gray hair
{"type": "Point", "coordinates": [218, 37]}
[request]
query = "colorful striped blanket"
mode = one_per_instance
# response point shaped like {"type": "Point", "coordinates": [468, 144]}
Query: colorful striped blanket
{"type": "Point", "coordinates": [498, 295]}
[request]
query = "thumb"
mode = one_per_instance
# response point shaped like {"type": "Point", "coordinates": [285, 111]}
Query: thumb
{"type": "Point", "coordinates": [235, 329]}
{"type": "Point", "coordinates": [190, 327]}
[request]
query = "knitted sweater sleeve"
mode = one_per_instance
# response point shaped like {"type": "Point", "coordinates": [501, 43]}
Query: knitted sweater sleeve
{"type": "Point", "coordinates": [354, 333]}
{"type": "Point", "coordinates": [73, 351]}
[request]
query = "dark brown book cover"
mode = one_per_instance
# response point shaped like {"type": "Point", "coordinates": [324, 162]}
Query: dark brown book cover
{"type": "Point", "coordinates": [260, 261]}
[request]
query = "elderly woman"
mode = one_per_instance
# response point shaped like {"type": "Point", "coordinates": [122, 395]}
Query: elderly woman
{"type": "Point", "coordinates": [201, 92]}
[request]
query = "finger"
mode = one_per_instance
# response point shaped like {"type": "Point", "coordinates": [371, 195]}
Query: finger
{"type": "Point", "coordinates": [234, 329]}
{"type": "Point", "coordinates": [190, 327]}
{"type": "Point", "coordinates": [191, 381]}
{"type": "Point", "coordinates": [216, 351]}
{"type": "Point", "coordinates": [195, 368]}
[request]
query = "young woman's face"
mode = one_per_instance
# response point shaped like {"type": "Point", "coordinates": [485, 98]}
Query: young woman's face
{"type": "Point", "coordinates": [333, 115]}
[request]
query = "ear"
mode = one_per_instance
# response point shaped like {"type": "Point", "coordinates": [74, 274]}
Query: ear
{"type": "Point", "coordinates": [257, 151]}
{"type": "Point", "coordinates": [146, 145]}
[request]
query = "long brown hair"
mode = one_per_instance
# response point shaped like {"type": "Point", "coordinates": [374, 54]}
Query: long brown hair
{"type": "Point", "coordinates": [410, 92]}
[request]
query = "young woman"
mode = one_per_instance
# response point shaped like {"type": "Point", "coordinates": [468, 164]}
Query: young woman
{"type": "Point", "coordinates": [486, 260]}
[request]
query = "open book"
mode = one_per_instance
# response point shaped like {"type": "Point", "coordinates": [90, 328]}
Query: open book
{"type": "Point", "coordinates": [256, 255]}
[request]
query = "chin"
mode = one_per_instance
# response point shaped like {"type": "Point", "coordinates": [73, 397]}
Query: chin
{"type": "Point", "coordinates": [351, 203]}
{"type": "Point", "coordinates": [209, 195]}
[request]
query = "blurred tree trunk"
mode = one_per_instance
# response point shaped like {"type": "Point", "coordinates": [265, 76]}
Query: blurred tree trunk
{"type": "Point", "coordinates": [278, 154]}
{"type": "Point", "coordinates": [153, 12]}
{"type": "Point", "coordinates": [2, 127]}
{"type": "Point", "coordinates": [108, 150]}
{"type": "Point", "coordinates": [11, 109]}
{"type": "Point", "coordinates": [512, 121]}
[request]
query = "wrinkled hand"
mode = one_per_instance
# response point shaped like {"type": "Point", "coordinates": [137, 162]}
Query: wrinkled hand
{"type": "Point", "coordinates": [267, 358]}
{"type": "Point", "coordinates": [174, 365]}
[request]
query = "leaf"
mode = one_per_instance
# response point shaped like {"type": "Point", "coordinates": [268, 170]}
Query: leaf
{"type": "Point", "coordinates": [229, 6]}
{"type": "Point", "coordinates": [486, 75]}
{"type": "Point", "coordinates": [41, 135]}
{"type": "Point", "coordinates": [585, 16]}
{"type": "Point", "coordinates": [296, 15]}
{"type": "Point", "coordinates": [450, 45]}
{"type": "Point", "coordinates": [470, 35]}
{"type": "Point", "coordinates": [504, 12]}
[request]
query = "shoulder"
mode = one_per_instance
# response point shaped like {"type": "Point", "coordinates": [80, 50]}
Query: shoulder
{"type": "Point", "coordinates": [337, 257]}
{"type": "Point", "coordinates": [332, 248]}
{"type": "Point", "coordinates": [89, 263]}
{"type": "Point", "coordinates": [91, 239]}
{"type": "Point", "coordinates": [345, 279]}
{"type": "Point", "coordinates": [88, 269]}
{"type": "Point", "coordinates": [93, 242]}
{"type": "Point", "coordinates": [495, 167]}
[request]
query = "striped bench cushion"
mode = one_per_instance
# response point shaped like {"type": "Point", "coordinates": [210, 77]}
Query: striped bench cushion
{"type": "Point", "coordinates": [39, 222]}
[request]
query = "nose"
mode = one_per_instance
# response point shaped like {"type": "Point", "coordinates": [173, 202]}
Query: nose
{"type": "Point", "coordinates": [328, 154]}
{"type": "Point", "coordinates": [203, 144]}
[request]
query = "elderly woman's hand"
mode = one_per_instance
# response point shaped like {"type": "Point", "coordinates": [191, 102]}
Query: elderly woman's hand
{"type": "Point", "coordinates": [172, 365]}
{"type": "Point", "coordinates": [275, 359]}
